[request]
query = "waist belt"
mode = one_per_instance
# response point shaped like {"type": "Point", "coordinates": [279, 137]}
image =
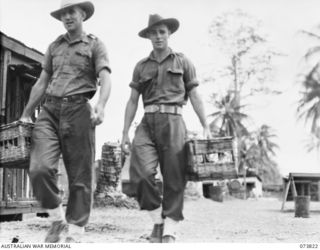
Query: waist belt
{"type": "Point", "coordinates": [163, 108]}
{"type": "Point", "coordinates": [79, 98]}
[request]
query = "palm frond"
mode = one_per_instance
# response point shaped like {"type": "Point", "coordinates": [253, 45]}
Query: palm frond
{"type": "Point", "coordinates": [312, 52]}
{"type": "Point", "coordinates": [310, 34]}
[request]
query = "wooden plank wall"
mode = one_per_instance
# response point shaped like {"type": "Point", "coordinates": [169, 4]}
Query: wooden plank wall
{"type": "Point", "coordinates": [14, 183]}
{"type": "Point", "coordinates": [21, 49]}
{"type": "Point", "coordinates": [26, 184]}
{"type": "Point", "coordinates": [1, 186]}
{"type": "Point", "coordinates": [4, 71]}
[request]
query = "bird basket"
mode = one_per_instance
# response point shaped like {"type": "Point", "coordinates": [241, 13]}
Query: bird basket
{"type": "Point", "coordinates": [15, 144]}
{"type": "Point", "coordinates": [214, 159]}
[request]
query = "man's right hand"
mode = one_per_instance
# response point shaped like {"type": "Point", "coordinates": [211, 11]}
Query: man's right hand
{"type": "Point", "coordinates": [125, 144]}
{"type": "Point", "coordinates": [26, 119]}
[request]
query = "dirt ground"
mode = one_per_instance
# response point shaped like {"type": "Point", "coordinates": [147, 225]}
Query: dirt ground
{"type": "Point", "coordinates": [230, 221]}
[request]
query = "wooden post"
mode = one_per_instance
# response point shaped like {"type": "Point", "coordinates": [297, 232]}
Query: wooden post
{"type": "Point", "coordinates": [14, 184]}
{"type": "Point", "coordinates": [294, 190]}
{"type": "Point", "coordinates": [18, 93]}
{"type": "Point", "coordinates": [285, 194]}
{"type": "Point", "coordinates": [19, 183]}
{"type": "Point", "coordinates": [1, 184]}
{"type": "Point", "coordinates": [245, 183]}
{"type": "Point", "coordinates": [3, 80]}
{"type": "Point", "coordinates": [27, 185]}
{"type": "Point", "coordinates": [318, 191]}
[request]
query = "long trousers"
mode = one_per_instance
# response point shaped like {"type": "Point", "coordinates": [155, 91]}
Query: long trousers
{"type": "Point", "coordinates": [64, 128]}
{"type": "Point", "coordinates": [160, 140]}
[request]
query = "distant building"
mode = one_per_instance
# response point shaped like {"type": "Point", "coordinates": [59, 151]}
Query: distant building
{"type": "Point", "coordinates": [249, 186]}
{"type": "Point", "coordinates": [308, 185]}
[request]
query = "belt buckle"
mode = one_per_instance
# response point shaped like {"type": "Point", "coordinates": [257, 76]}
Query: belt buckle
{"type": "Point", "coordinates": [64, 99]}
{"type": "Point", "coordinates": [156, 108]}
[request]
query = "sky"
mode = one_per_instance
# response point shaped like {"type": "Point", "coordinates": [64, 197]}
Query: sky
{"type": "Point", "coordinates": [117, 23]}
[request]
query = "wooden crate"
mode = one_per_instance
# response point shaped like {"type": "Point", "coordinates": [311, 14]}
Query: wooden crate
{"type": "Point", "coordinates": [110, 167]}
{"type": "Point", "coordinates": [213, 159]}
{"type": "Point", "coordinates": [15, 185]}
{"type": "Point", "coordinates": [15, 144]}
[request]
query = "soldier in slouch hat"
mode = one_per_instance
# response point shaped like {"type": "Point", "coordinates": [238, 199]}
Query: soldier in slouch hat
{"type": "Point", "coordinates": [73, 65]}
{"type": "Point", "coordinates": [165, 79]}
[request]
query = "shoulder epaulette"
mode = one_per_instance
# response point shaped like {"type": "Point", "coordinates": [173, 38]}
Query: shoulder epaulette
{"type": "Point", "coordinates": [179, 54]}
{"type": "Point", "coordinates": [92, 36]}
{"type": "Point", "coordinates": [58, 38]}
{"type": "Point", "coordinates": [144, 60]}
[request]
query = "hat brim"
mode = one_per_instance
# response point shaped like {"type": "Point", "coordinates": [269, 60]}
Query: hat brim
{"type": "Point", "coordinates": [172, 23]}
{"type": "Point", "coordinates": [88, 7]}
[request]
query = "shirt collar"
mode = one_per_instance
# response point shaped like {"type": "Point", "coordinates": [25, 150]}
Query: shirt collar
{"type": "Point", "coordinates": [151, 56]}
{"type": "Point", "coordinates": [83, 38]}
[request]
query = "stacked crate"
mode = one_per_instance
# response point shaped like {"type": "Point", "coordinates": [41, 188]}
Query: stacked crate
{"type": "Point", "coordinates": [110, 167]}
{"type": "Point", "coordinates": [15, 144]}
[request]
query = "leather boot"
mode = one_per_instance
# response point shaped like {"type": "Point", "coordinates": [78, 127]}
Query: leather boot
{"type": "Point", "coordinates": [156, 235]}
{"type": "Point", "coordinates": [168, 239]}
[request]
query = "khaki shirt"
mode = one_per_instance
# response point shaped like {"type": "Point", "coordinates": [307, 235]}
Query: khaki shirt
{"type": "Point", "coordinates": [74, 66]}
{"type": "Point", "coordinates": [167, 82]}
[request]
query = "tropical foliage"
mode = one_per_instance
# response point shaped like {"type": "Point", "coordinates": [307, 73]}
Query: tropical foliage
{"type": "Point", "coordinates": [240, 39]}
{"type": "Point", "coordinates": [228, 119]}
{"type": "Point", "coordinates": [309, 103]}
{"type": "Point", "coordinates": [257, 152]}
{"type": "Point", "coordinates": [245, 70]}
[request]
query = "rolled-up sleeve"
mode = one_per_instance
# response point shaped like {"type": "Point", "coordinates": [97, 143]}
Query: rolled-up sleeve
{"type": "Point", "coordinates": [135, 78]}
{"type": "Point", "coordinates": [100, 57]}
{"type": "Point", "coordinates": [47, 61]}
{"type": "Point", "coordinates": [189, 75]}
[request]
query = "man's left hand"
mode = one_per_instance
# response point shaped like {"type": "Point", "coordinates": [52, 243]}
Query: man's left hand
{"type": "Point", "coordinates": [97, 115]}
{"type": "Point", "coordinates": [207, 133]}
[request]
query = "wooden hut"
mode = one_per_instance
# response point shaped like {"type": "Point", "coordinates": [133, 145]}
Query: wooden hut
{"type": "Point", "coordinates": [20, 68]}
{"type": "Point", "coordinates": [302, 184]}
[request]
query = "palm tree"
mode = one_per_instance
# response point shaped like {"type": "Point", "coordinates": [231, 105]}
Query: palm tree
{"type": "Point", "coordinates": [313, 143]}
{"type": "Point", "coordinates": [309, 103]}
{"type": "Point", "coordinates": [227, 121]}
{"type": "Point", "coordinates": [264, 137]}
{"type": "Point", "coordinates": [257, 151]}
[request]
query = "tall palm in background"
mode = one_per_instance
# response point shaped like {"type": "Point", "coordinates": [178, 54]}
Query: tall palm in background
{"type": "Point", "coordinates": [309, 103]}
{"type": "Point", "coordinates": [268, 168]}
{"type": "Point", "coordinates": [313, 143]}
{"type": "Point", "coordinates": [257, 151]}
{"type": "Point", "coordinates": [246, 71]}
{"type": "Point", "coordinates": [228, 119]}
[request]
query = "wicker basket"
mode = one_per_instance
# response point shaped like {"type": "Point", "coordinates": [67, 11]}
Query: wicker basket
{"type": "Point", "coordinates": [213, 159]}
{"type": "Point", "coordinates": [15, 144]}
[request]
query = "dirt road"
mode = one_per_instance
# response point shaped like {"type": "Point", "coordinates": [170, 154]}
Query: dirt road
{"type": "Point", "coordinates": [254, 221]}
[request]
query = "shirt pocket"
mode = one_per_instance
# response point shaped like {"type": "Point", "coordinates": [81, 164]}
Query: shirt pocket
{"type": "Point", "coordinates": [57, 60]}
{"type": "Point", "coordinates": [81, 59]}
{"type": "Point", "coordinates": [145, 81]}
{"type": "Point", "coordinates": [175, 80]}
